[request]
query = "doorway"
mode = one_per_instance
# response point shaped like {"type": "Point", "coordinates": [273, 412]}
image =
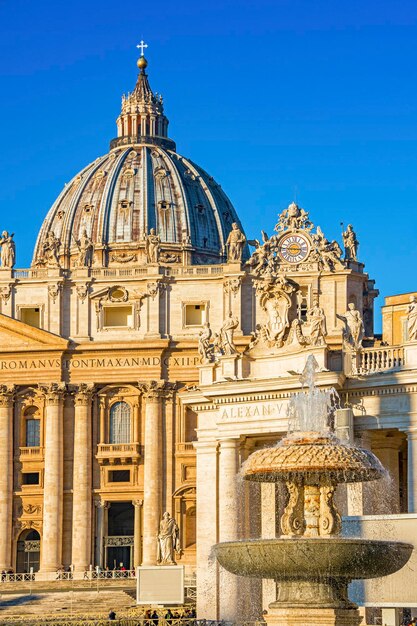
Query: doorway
{"type": "Point", "coordinates": [28, 552]}
{"type": "Point", "coordinates": [120, 539]}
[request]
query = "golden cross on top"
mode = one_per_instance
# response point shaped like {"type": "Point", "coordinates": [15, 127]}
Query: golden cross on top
{"type": "Point", "coordinates": [142, 45]}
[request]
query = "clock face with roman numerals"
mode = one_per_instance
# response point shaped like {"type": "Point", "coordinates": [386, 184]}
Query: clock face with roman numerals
{"type": "Point", "coordinates": [294, 248]}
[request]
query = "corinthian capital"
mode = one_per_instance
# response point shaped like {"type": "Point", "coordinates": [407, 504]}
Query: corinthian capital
{"type": "Point", "coordinates": [7, 394]}
{"type": "Point", "coordinates": [82, 393]}
{"type": "Point", "coordinates": [54, 392]}
{"type": "Point", "coordinates": [156, 389]}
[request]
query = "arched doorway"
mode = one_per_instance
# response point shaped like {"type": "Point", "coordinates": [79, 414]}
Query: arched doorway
{"type": "Point", "coordinates": [28, 551]}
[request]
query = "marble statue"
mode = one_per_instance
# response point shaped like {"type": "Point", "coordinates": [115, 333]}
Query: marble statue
{"type": "Point", "coordinates": [293, 218]}
{"type": "Point", "coordinates": [85, 250]}
{"type": "Point", "coordinates": [152, 246]}
{"type": "Point", "coordinates": [226, 335]}
{"type": "Point", "coordinates": [235, 242]}
{"type": "Point", "coordinates": [168, 540]}
{"type": "Point", "coordinates": [8, 250]}
{"type": "Point", "coordinates": [205, 348]}
{"type": "Point", "coordinates": [351, 244]}
{"type": "Point", "coordinates": [49, 252]}
{"type": "Point", "coordinates": [354, 330]}
{"type": "Point", "coordinates": [329, 252]}
{"type": "Point", "coordinates": [412, 319]}
{"type": "Point", "coordinates": [317, 320]}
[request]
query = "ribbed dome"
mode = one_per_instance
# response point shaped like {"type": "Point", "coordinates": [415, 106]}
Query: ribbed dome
{"type": "Point", "coordinates": [142, 183]}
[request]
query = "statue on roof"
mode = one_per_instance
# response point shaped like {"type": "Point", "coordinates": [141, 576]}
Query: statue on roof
{"type": "Point", "coordinates": [412, 319]}
{"type": "Point", "coordinates": [317, 320]}
{"type": "Point", "coordinates": [354, 330]}
{"type": "Point", "coordinates": [226, 335]}
{"type": "Point", "coordinates": [152, 246]}
{"type": "Point", "coordinates": [293, 218]}
{"type": "Point", "coordinates": [49, 252]}
{"type": "Point", "coordinates": [329, 253]}
{"type": "Point", "coordinates": [235, 242]}
{"type": "Point", "coordinates": [350, 243]}
{"type": "Point", "coordinates": [85, 250]}
{"type": "Point", "coordinates": [8, 250]}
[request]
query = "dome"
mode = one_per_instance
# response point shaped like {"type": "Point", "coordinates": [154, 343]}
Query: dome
{"type": "Point", "coordinates": [142, 183]}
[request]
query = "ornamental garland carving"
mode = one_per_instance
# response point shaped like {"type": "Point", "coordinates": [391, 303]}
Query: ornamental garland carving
{"type": "Point", "coordinates": [232, 285]}
{"type": "Point", "coordinates": [31, 509]}
{"type": "Point", "coordinates": [54, 291]}
{"type": "Point", "coordinates": [5, 293]}
{"type": "Point", "coordinates": [116, 542]}
{"type": "Point", "coordinates": [82, 291]}
{"type": "Point", "coordinates": [123, 257]}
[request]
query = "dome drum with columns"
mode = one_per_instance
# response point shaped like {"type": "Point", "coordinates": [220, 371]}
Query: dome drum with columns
{"type": "Point", "coordinates": [141, 184]}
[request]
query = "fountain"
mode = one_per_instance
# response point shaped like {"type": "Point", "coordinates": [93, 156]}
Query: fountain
{"type": "Point", "coordinates": [311, 564]}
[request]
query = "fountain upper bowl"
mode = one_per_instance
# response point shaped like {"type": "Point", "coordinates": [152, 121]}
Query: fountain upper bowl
{"type": "Point", "coordinates": [312, 558]}
{"type": "Point", "coordinates": [310, 457]}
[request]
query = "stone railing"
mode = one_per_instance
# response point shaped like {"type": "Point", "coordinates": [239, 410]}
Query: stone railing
{"type": "Point", "coordinates": [31, 453]}
{"type": "Point", "coordinates": [185, 447]}
{"type": "Point", "coordinates": [373, 360]}
{"type": "Point", "coordinates": [118, 450]}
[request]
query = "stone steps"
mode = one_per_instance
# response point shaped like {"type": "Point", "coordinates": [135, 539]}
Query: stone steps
{"type": "Point", "coordinates": [64, 604]}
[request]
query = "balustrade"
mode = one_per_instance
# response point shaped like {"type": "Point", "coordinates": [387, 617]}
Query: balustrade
{"type": "Point", "coordinates": [380, 359]}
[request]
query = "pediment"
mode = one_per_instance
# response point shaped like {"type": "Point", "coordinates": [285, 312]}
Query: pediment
{"type": "Point", "coordinates": [16, 335]}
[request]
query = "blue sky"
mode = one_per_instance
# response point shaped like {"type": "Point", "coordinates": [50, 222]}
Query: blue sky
{"type": "Point", "coordinates": [313, 100]}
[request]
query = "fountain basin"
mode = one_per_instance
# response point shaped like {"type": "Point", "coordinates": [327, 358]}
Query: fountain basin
{"type": "Point", "coordinates": [309, 558]}
{"type": "Point", "coordinates": [311, 458]}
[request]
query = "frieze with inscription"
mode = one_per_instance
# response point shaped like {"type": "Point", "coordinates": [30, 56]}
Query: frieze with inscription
{"type": "Point", "coordinates": [253, 411]}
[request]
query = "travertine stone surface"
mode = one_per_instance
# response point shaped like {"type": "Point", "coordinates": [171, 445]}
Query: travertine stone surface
{"type": "Point", "coordinates": [6, 475]}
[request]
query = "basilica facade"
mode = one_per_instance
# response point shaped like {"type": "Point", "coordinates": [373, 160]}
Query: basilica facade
{"type": "Point", "coordinates": [152, 346]}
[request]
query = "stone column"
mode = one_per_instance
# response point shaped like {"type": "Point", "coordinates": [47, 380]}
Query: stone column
{"type": "Point", "coordinates": [137, 545]}
{"type": "Point", "coordinates": [82, 479]}
{"type": "Point", "coordinates": [51, 546]}
{"type": "Point", "coordinates": [153, 393]}
{"type": "Point", "coordinates": [102, 507]}
{"type": "Point", "coordinates": [357, 492]}
{"type": "Point", "coordinates": [412, 470]}
{"type": "Point", "coordinates": [268, 531]}
{"type": "Point", "coordinates": [207, 530]}
{"type": "Point", "coordinates": [6, 475]}
{"type": "Point", "coordinates": [228, 523]}
{"type": "Point", "coordinates": [387, 450]}
{"type": "Point", "coordinates": [102, 434]}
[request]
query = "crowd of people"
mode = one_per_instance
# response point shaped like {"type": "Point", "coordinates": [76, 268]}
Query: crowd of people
{"type": "Point", "coordinates": [164, 616]}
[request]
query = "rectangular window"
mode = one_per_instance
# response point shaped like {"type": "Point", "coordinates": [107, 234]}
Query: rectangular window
{"type": "Point", "coordinates": [118, 317]}
{"type": "Point", "coordinates": [195, 314]}
{"type": "Point", "coordinates": [119, 476]}
{"type": "Point", "coordinates": [33, 433]}
{"type": "Point", "coordinates": [31, 316]}
{"type": "Point", "coordinates": [30, 478]}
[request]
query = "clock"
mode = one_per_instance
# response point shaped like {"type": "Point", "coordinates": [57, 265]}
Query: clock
{"type": "Point", "coordinates": [293, 248]}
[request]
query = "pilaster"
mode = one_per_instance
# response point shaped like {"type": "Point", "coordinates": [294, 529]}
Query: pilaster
{"type": "Point", "coordinates": [412, 469]}
{"type": "Point", "coordinates": [7, 394]}
{"type": "Point", "coordinates": [101, 511]}
{"type": "Point", "coordinates": [137, 545]}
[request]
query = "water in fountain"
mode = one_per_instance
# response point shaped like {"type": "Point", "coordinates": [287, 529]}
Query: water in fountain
{"type": "Point", "coordinates": [312, 410]}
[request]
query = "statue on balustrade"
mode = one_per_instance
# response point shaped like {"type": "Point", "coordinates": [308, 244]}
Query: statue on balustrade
{"type": "Point", "coordinates": [8, 250]}
{"type": "Point", "coordinates": [226, 335]}
{"type": "Point", "coordinates": [49, 253]}
{"type": "Point", "coordinates": [205, 348]}
{"type": "Point", "coordinates": [152, 246]}
{"type": "Point", "coordinates": [351, 244]}
{"type": "Point", "coordinates": [317, 320]}
{"type": "Point", "coordinates": [354, 329]}
{"type": "Point", "coordinates": [85, 250]}
{"type": "Point", "coordinates": [168, 540]}
{"type": "Point", "coordinates": [235, 242]}
{"type": "Point", "coordinates": [412, 319]}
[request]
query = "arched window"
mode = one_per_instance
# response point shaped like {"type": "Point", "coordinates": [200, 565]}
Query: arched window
{"type": "Point", "coordinates": [33, 433]}
{"type": "Point", "coordinates": [120, 423]}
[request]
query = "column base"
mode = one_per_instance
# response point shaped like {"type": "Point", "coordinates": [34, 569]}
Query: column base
{"type": "Point", "coordinates": [316, 616]}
